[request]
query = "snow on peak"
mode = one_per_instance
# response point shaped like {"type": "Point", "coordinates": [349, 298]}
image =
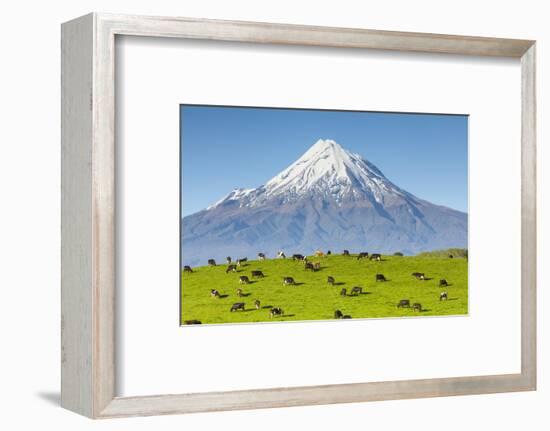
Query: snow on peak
{"type": "Point", "coordinates": [234, 195]}
{"type": "Point", "coordinates": [326, 169]}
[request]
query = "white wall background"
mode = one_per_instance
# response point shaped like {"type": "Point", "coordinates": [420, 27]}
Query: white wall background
{"type": "Point", "coordinates": [165, 74]}
{"type": "Point", "coordinates": [29, 215]}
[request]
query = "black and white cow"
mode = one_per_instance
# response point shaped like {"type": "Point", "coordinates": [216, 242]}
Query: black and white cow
{"type": "Point", "coordinates": [276, 311]}
{"type": "Point", "coordinates": [330, 280]}
{"type": "Point", "coordinates": [380, 277]}
{"type": "Point", "coordinates": [241, 260]}
{"type": "Point", "coordinates": [261, 256]}
{"type": "Point", "coordinates": [257, 274]}
{"type": "Point", "coordinates": [362, 255]}
{"type": "Point", "coordinates": [419, 275]}
{"type": "Point", "coordinates": [443, 283]}
{"type": "Point", "coordinates": [404, 303]}
{"type": "Point", "coordinates": [214, 293]}
{"type": "Point", "coordinates": [192, 322]}
{"type": "Point", "coordinates": [288, 281]}
{"type": "Point", "coordinates": [211, 262]}
{"type": "Point", "coordinates": [231, 268]}
{"type": "Point", "coordinates": [187, 268]}
{"type": "Point", "coordinates": [243, 279]}
{"type": "Point", "coordinates": [356, 291]}
{"type": "Point", "coordinates": [443, 296]}
{"type": "Point", "coordinates": [237, 306]}
{"type": "Point", "coordinates": [376, 256]}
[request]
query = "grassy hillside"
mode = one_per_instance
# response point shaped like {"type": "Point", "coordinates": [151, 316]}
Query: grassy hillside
{"type": "Point", "coordinates": [455, 252]}
{"type": "Point", "coordinates": [313, 299]}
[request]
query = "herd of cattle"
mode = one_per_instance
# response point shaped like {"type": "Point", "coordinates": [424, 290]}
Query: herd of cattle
{"type": "Point", "coordinates": [311, 266]}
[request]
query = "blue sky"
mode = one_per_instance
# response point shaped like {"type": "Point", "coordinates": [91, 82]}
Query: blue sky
{"type": "Point", "coordinates": [228, 147]}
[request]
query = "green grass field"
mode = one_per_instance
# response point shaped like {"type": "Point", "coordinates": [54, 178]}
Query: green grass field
{"type": "Point", "coordinates": [314, 299]}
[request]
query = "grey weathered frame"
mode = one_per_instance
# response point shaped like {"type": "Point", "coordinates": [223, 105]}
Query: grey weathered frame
{"type": "Point", "coordinates": [88, 214]}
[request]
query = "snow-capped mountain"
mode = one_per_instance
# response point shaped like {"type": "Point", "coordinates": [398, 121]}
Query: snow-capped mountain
{"type": "Point", "coordinates": [329, 198]}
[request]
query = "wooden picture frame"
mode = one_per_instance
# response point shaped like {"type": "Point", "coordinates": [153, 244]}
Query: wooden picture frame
{"type": "Point", "coordinates": [88, 215]}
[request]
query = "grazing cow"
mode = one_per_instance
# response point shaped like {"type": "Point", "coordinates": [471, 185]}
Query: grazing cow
{"type": "Point", "coordinates": [309, 266]}
{"type": "Point", "coordinates": [316, 266]}
{"type": "Point", "coordinates": [298, 257]}
{"type": "Point", "coordinates": [319, 253]}
{"type": "Point", "coordinates": [187, 268]}
{"type": "Point", "coordinates": [276, 311]}
{"type": "Point", "coordinates": [237, 306]}
{"type": "Point", "coordinates": [346, 253]}
{"type": "Point", "coordinates": [443, 296]}
{"type": "Point", "coordinates": [338, 314]}
{"type": "Point", "coordinates": [211, 262]}
{"type": "Point", "coordinates": [288, 281]}
{"type": "Point", "coordinates": [356, 291]}
{"type": "Point", "coordinates": [330, 280]}
{"type": "Point", "coordinates": [192, 322]}
{"type": "Point", "coordinates": [380, 277]}
{"type": "Point", "coordinates": [228, 259]}
{"type": "Point", "coordinates": [214, 293]}
{"type": "Point", "coordinates": [376, 256]}
{"type": "Point", "coordinates": [240, 293]}
{"type": "Point", "coordinates": [261, 256]}
{"type": "Point", "coordinates": [329, 253]}
{"type": "Point", "coordinates": [243, 279]}
{"type": "Point", "coordinates": [419, 275]}
{"type": "Point", "coordinates": [346, 316]}
{"type": "Point", "coordinates": [343, 292]}
{"type": "Point", "coordinates": [241, 260]}
{"type": "Point", "coordinates": [404, 303]}
{"type": "Point", "coordinates": [417, 306]}
{"type": "Point", "coordinates": [443, 283]}
{"type": "Point", "coordinates": [257, 274]}
{"type": "Point", "coordinates": [257, 304]}
{"type": "Point", "coordinates": [231, 268]}
{"type": "Point", "coordinates": [362, 255]}
{"type": "Point", "coordinates": [281, 255]}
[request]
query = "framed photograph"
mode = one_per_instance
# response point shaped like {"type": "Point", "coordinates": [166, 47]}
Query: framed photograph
{"type": "Point", "coordinates": [264, 215]}
{"type": "Point", "coordinates": [323, 210]}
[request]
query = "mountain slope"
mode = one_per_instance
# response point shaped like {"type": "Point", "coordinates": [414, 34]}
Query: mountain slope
{"type": "Point", "coordinates": [329, 199]}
